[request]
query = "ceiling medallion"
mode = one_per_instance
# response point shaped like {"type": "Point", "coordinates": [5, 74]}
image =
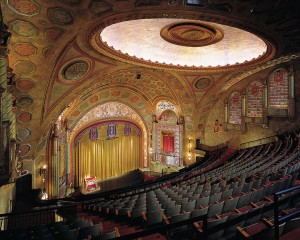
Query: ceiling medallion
{"type": "Point", "coordinates": [203, 83]}
{"type": "Point", "coordinates": [76, 70]}
{"type": "Point", "coordinates": [191, 34]}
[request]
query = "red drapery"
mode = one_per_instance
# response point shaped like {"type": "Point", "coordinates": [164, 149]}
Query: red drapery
{"type": "Point", "coordinates": [168, 144]}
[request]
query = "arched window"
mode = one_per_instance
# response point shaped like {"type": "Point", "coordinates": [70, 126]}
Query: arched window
{"type": "Point", "coordinates": [235, 108]}
{"type": "Point", "coordinates": [278, 89]}
{"type": "Point", "coordinates": [254, 100]}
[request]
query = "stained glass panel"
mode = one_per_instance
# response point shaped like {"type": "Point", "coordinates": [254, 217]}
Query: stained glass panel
{"type": "Point", "coordinates": [235, 108]}
{"type": "Point", "coordinates": [278, 89]}
{"type": "Point", "coordinates": [254, 99]}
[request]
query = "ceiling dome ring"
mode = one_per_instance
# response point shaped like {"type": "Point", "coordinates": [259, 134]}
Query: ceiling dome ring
{"type": "Point", "coordinates": [185, 37]}
{"type": "Point", "coordinates": [191, 34]}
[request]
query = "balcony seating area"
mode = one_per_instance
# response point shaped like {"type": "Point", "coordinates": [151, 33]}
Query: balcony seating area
{"type": "Point", "coordinates": [240, 191]}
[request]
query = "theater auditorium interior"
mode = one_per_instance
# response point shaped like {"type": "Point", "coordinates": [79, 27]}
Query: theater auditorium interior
{"type": "Point", "coordinates": [150, 119]}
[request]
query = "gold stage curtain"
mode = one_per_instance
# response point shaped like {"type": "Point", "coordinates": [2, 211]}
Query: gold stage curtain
{"type": "Point", "coordinates": [106, 158]}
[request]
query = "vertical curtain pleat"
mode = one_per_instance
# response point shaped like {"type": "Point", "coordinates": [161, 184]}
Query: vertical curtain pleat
{"type": "Point", "coordinates": [106, 158]}
{"type": "Point", "coordinates": [168, 144]}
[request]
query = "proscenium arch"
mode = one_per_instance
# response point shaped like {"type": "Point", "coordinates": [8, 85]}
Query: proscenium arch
{"type": "Point", "coordinates": [127, 114]}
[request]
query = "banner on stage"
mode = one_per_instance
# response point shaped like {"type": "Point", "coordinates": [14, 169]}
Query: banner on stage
{"type": "Point", "coordinates": [93, 134]}
{"type": "Point", "coordinates": [111, 131]}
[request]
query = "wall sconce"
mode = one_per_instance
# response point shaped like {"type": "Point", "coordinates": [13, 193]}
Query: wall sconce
{"type": "Point", "coordinates": [189, 154]}
{"type": "Point", "coordinates": [217, 126]}
{"type": "Point", "coordinates": [43, 174]}
{"type": "Point", "coordinates": [43, 170]}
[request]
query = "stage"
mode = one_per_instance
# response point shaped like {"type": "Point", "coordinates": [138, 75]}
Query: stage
{"type": "Point", "coordinates": [131, 178]}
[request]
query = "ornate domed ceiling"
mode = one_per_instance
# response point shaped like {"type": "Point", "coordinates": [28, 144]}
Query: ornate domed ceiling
{"type": "Point", "coordinates": [183, 43]}
{"type": "Point", "coordinates": [175, 52]}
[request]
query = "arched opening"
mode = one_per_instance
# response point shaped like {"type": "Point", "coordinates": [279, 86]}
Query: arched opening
{"type": "Point", "coordinates": [106, 149]}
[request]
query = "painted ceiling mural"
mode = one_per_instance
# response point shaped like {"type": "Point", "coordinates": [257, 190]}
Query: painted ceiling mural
{"type": "Point", "coordinates": [53, 56]}
{"type": "Point", "coordinates": [114, 94]}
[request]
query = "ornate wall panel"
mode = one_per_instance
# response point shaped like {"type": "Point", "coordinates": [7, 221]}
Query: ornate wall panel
{"type": "Point", "coordinates": [278, 89]}
{"type": "Point", "coordinates": [254, 100]}
{"type": "Point", "coordinates": [235, 108]}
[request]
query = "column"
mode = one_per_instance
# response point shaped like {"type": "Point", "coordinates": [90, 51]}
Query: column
{"type": "Point", "coordinates": [68, 153]}
{"type": "Point", "coordinates": [54, 163]}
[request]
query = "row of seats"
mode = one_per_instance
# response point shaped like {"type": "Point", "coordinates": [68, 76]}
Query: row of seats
{"type": "Point", "coordinates": [211, 193]}
{"type": "Point", "coordinates": [76, 229]}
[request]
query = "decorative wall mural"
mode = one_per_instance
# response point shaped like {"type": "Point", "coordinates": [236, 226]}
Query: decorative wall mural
{"type": "Point", "coordinates": [53, 34]}
{"type": "Point", "coordinates": [24, 117]}
{"type": "Point", "coordinates": [202, 83]}
{"type": "Point", "coordinates": [24, 150]}
{"type": "Point", "coordinates": [23, 134]}
{"type": "Point", "coordinates": [75, 70]}
{"type": "Point", "coordinates": [24, 28]}
{"type": "Point", "coordinates": [24, 84]}
{"type": "Point", "coordinates": [152, 86]}
{"type": "Point", "coordinates": [25, 49]}
{"type": "Point", "coordinates": [114, 110]}
{"type": "Point", "coordinates": [24, 7]}
{"type": "Point", "coordinates": [24, 101]}
{"type": "Point", "coordinates": [254, 99]}
{"type": "Point", "coordinates": [167, 117]}
{"type": "Point", "coordinates": [164, 105]}
{"type": "Point", "coordinates": [98, 8]}
{"type": "Point", "coordinates": [60, 16]}
{"type": "Point", "coordinates": [24, 67]}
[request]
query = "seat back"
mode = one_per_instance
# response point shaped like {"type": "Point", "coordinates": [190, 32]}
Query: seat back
{"type": "Point", "coordinates": [213, 234]}
{"type": "Point", "coordinates": [173, 211]}
{"type": "Point", "coordinates": [230, 205]}
{"type": "Point", "coordinates": [189, 206]}
{"type": "Point", "coordinates": [215, 209]}
{"type": "Point", "coordinates": [154, 217]}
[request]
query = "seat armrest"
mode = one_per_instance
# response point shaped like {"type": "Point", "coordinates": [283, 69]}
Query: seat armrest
{"type": "Point", "coordinates": [144, 216]}
{"type": "Point", "coordinates": [117, 232]}
{"type": "Point", "coordinates": [165, 219]}
{"type": "Point", "coordinates": [267, 222]}
{"type": "Point", "coordinates": [101, 227]}
{"type": "Point", "coordinates": [243, 232]}
{"type": "Point", "coordinates": [198, 227]}
{"type": "Point", "coordinates": [253, 205]}
{"type": "Point", "coordinates": [237, 211]}
{"type": "Point", "coordinates": [268, 199]}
